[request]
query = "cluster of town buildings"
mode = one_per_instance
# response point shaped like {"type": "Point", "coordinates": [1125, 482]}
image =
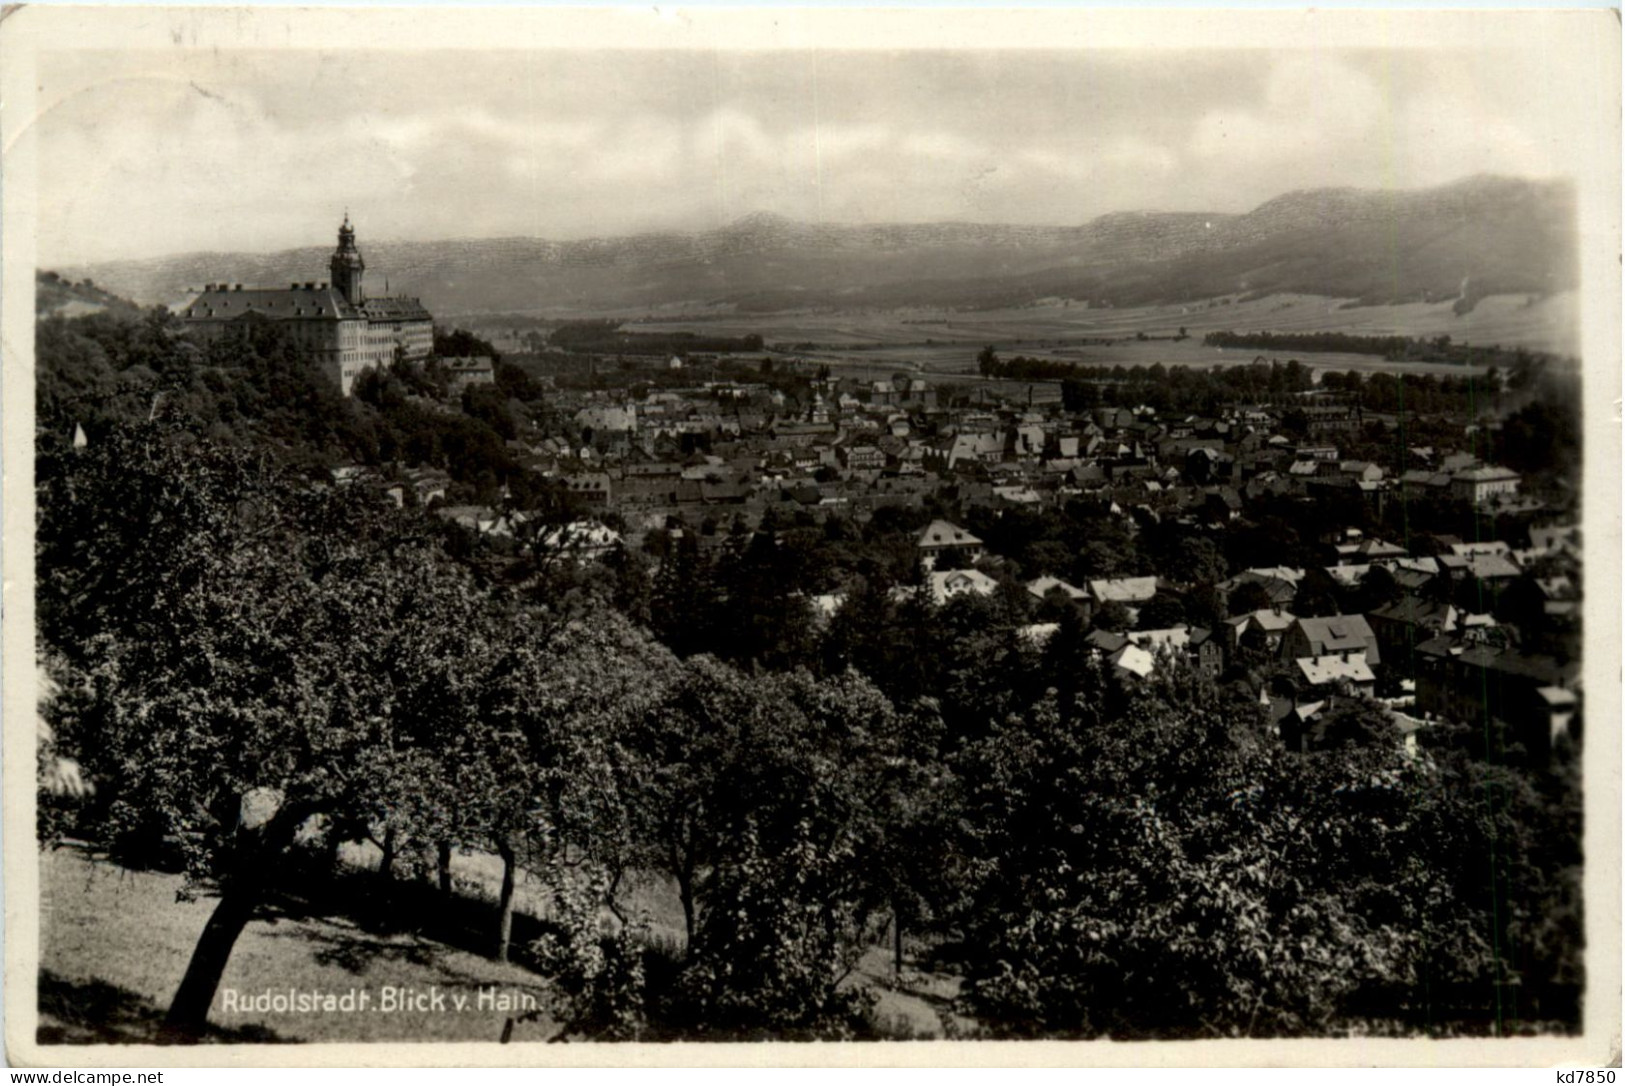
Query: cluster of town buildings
{"type": "Point", "coordinates": [722, 452]}
{"type": "Point", "coordinates": [889, 442]}
{"type": "Point", "coordinates": [1443, 662]}
{"type": "Point", "coordinates": [725, 451]}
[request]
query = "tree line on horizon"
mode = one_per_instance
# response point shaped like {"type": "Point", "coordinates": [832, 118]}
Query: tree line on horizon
{"type": "Point", "coordinates": [1392, 348]}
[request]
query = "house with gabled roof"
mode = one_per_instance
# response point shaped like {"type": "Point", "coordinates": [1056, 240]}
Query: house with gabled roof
{"type": "Point", "coordinates": [1348, 576]}
{"type": "Point", "coordinates": [1302, 469]}
{"type": "Point", "coordinates": [1268, 625]}
{"type": "Point", "coordinates": [1366, 551]}
{"type": "Point", "coordinates": [1126, 590]}
{"type": "Point", "coordinates": [1105, 641]}
{"type": "Point", "coordinates": [1408, 622]}
{"type": "Point", "coordinates": [1425, 565]}
{"type": "Point", "coordinates": [1280, 584]}
{"type": "Point", "coordinates": [1126, 658]}
{"type": "Point", "coordinates": [1333, 635]}
{"type": "Point", "coordinates": [1363, 471]}
{"type": "Point", "coordinates": [945, 585]}
{"type": "Point", "coordinates": [582, 540]}
{"type": "Point", "coordinates": [960, 582]}
{"type": "Point", "coordinates": [1348, 674]}
{"type": "Point", "coordinates": [1043, 586]}
{"type": "Point", "coordinates": [1205, 652]}
{"type": "Point", "coordinates": [1133, 660]}
{"type": "Point", "coordinates": [1457, 461]}
{"type": "Point", "coordinates": [1482, 484]}
{"type": "Point", "coordinates": [940, 537]}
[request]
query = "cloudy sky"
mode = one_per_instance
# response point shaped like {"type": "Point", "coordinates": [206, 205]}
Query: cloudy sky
{"type": "Point", "coordinates": [149, 152]}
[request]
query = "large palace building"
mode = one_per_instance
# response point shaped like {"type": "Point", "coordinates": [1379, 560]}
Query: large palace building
{"type": "Point", "coordinates": [337, 323]}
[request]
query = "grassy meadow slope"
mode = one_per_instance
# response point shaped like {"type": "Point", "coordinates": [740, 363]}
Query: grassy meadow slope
{"type": "Point", "coordinates": [116, 942]}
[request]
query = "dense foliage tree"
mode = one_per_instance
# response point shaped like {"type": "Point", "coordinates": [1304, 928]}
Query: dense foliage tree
{"type": "Point", "coordinates": [1318, 595]}
{"type": "Point", "coordinates": [233, 646]}
{"type": "Point", "coordinates": [803, 793]}
{"type": "Point", "coordinates": [1078, 395]}
{"type": "Point", "coordinates": [1377, 588]}
{"type": "Point", "coordinates": [460, 343]}
{"type": "Point", "coordinates": [756, 619]}
{"type": "Point", "coordinates": [537, 772]}
{"type": "Point", "coordinates": [1162, 611]}
{"type": "Point", "coordinates": [684, 597]}
{"type": "Point", "coordinates": [1247, 597]}
{"type": "Point", "coordinates": [1114, 616]}
{"type": "Point", "coordinates": [1172, 872]}
{"type": "Point", "coordinates": [1542, 436]}
{"type": "Point", "coordinates": [1186, 558]}
{"type": "Point", "coordinates": [1206, 607]}
{"type": "Point", "coordinates": [255, 389]}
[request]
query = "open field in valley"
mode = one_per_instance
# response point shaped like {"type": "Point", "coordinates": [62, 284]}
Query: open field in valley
{"type": "Point", "coordinates": [1549, 324]}
{"type": "Point", "coordinates": [874, 345]}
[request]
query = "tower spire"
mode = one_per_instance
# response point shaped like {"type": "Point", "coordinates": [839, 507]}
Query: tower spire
{"type": "Point", "coordinates": [346, 265]}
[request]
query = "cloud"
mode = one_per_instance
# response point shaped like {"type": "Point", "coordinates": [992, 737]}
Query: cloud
{"type": "Point", "coordinates": [735, 135]}
{"type": "Point", "coordinates": [1327, 121]}
{"type": "Point", "coordinates": [1312, 107]}
{"type": "Point", "coordinates": [143, 155]}
{"type": "Point", "coordinates": [834, 142]}
{"type": "Point", "coordinates": [943, 146]}
{"type": "Point", "coordinates": [1446, 137]}
{"type": "Point", "coordinates": [1099, 158]}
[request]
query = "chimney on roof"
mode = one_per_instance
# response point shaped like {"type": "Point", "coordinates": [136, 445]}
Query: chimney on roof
{"type": "Point", "coordinates": [311, 285]}
{"type": "Point", "coordinates": [293, 286]}
{"type": "Point", "coordinates": [237, 286]}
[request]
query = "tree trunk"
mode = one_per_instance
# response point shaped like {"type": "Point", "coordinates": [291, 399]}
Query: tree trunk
{"type": "Point", "coordinates": [897, 942]}
{"type": "Point", "coordinates": [386, 863]}
{"type": "Point", "coordinates": [609, 896]}
{"type": "Point", "coordinates": [443, 863]}
{"type": "Point", "coordinates": [685, 891]}
{"type": "Point", "coordinates": [505, 902]}
{"type": "Point", "coordinates": [252, 868]}
{"type": "Point", "coordinates": [189, 1011]}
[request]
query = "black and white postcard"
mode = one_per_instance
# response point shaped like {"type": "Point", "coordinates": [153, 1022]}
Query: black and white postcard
{"type": "Point", "coordinates": [987, 537]}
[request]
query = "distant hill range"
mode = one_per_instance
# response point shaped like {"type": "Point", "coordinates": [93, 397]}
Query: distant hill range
{"type": "Point", "coordinates": [1469, 239]}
